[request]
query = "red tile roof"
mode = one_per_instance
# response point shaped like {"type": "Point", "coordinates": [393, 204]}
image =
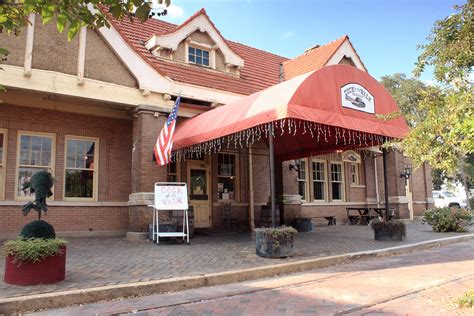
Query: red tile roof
{"type": "Point", "coordinates": [261, 69]}
{"type": "Point", "coordinates": [312, 59]}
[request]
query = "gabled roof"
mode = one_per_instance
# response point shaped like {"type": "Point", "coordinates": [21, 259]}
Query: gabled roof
{"type": "Point", "coordinates": [261, 68]}
{"type": "Point", "coordinates": [314, 58]}
{"type": "Point", "coordinates": [198, 22]}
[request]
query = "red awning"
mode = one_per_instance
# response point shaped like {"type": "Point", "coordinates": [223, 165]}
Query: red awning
{"type": "Point", "coordinates": [332, 108]}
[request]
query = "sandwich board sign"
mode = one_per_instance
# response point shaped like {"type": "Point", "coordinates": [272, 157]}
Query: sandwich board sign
{"type": "Point", "coordinates": [171, 196]}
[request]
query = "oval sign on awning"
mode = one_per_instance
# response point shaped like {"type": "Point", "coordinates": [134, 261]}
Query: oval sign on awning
{"type": "Point", "coordinates": [356, 97]}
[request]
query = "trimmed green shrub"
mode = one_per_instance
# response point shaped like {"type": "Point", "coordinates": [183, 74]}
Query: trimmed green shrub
{"type": "Point", "coordinates": [38, 229]}
{"type": "Point", "coordinates": [445, 219]}
{"type": "Point", "coordinates": [32, 249]}
{"type": "Point", "coordinates": [467, 300]}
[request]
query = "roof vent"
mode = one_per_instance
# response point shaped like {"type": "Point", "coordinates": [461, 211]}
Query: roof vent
{"type": "Point", "coordinates": [313, 47]}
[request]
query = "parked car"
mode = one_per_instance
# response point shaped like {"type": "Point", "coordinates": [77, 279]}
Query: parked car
{"type": "Point", "coordinates": [445, 198]}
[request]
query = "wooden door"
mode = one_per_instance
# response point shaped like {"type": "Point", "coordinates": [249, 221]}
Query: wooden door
{"type": "Point", "coordinates": [199, 192]}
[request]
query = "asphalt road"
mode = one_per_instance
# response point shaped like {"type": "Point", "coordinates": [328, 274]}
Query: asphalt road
{"type": "Point", "coordinates": [420, 283]}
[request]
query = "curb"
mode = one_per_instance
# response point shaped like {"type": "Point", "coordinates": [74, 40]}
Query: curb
{"type": "Point", "coordinates": [92, 295]}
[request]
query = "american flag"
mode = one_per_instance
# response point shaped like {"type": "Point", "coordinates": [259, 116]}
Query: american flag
{"type": "Point", "coordinates": [164, 143]}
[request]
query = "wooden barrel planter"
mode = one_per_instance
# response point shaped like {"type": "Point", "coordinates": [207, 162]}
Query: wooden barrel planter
{"type": "Point", "coordinates": [389, 231]}
{"type": "Point", "coordinates": [50, 270]}
{"type": "Point", "coordinates": [274, 242]}
{"type": "Point", "coordinates": [303, 225]}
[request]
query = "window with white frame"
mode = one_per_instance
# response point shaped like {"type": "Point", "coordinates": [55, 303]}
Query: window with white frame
{"type": "Point", "coordinates": [226, 176]}
{"type": "Point", "coordinates": [355, 178]}
{"type": "Point", "coordinates": [337, 181]}
{"type": "Point", "coordinates": [198, 56]}
{"type": "Point", "coordinates": [3, 144]}
{"type": "Point", "coordinates": [35, 153]}
{"type": "Point", "coordinates": [302, 179]}
{"type": "Point", "coordinates": [319, 180]}
{"type": "Point", "coordinates": [81, 168]}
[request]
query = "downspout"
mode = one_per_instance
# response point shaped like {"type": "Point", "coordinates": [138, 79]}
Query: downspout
{"type": "Point", "coordinates": [376, 182]}
{"type": "Point", "coordinates": [251, 196]}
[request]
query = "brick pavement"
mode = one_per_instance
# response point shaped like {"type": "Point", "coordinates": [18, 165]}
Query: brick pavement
{"type": "Point", "coordinates": [420, 283]}
{"type": "Point", "coordinates": [93, 262]}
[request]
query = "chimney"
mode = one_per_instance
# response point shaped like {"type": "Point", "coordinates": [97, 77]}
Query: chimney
{"type": "Point", "coordinates": [313, 47]}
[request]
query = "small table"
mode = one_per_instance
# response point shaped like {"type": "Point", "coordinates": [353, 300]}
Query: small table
{"type": "Point", "coordinates": [331, 219]}
{"type": "Point", "coordinates": [380, 211]}
{"type": "Point", "coordinates": [362, 216]}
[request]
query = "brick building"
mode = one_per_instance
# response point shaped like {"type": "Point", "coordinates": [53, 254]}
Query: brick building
{"type": "Point", "coordinates": [90, 110]}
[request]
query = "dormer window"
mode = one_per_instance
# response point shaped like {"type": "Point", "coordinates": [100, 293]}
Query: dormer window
{"type": "Point", "coordinates": [198, 56]}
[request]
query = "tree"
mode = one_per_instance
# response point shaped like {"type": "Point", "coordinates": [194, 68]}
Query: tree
{"type": "Point", "coordinates": [408, 93]}
{"type": "Point", "coordinates": [445, 138]}
{"type": "Point", "coordinates": [74, 14]}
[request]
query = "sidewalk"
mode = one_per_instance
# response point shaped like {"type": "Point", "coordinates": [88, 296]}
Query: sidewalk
{"type": "Point", "coordinates": [94, 262]}
{"type": "Point", "coordinates": [419, 283]}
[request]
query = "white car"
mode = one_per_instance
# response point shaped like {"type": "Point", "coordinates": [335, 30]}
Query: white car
{"type": "Point", "coordinates": [444, 198]}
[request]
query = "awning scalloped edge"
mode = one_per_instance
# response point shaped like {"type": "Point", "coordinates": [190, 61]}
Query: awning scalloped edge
{"type": "Point", "coordinates": [246, 138]}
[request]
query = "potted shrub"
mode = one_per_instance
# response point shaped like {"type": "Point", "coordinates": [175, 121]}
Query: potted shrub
{"type": "Point", "coordinates": [35, 261]}
{"type": "Point", "coordinates": [446, 219]}
{"type": "Point", "coordinates": [275, 242]}
{"type": "Point", "coordinates": [393, 230]}
{"type": "Point", "coordinates": [303, 225]}
{"type": "Point", "coordinates": [36, 256]}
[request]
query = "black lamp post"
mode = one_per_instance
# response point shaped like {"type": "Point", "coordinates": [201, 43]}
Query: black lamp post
{"type": "Point", "coordinates": [406, 173]}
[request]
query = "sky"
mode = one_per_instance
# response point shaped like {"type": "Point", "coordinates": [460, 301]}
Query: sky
{"type": "Point", "coordinates": [385, 33]}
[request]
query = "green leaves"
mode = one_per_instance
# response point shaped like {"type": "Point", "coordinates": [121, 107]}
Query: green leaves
{"type": "Point", "coordinates": [441, 116]}
{"type": "Point", "coordinates": [61, 22]}
{"type": "Point", "coordinates": [143, 12]}
{"type": "Point", "coordinates": [446, 219]}
{"type": "Point", "coordinates": [33, 249]}
{"type": "Point", "coordinates": [449, 49]}
{"type": "Point", "coordinates": [73, 29]}
{"type": "Point", "coordinates": [4, 51]}
{"type": "Point", "coordinates": [72, 14]}
{"type": "Point", "coordinates": [47, 13]}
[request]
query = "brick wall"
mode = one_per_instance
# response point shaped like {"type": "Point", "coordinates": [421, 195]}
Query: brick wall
{"type": "Point", "coordinates": [146, 127]}
{"type": "Point", "coordinates": [114, 178]}
{"type": "Point", "coordinates": [67, 219]}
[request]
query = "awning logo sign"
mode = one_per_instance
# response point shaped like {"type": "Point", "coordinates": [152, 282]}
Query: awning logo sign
{"type": "Point", "coordinates": [356, 97]}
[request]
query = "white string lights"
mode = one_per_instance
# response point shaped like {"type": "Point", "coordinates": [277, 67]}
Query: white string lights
{"type": "Point", "coordinates": [246, 138]}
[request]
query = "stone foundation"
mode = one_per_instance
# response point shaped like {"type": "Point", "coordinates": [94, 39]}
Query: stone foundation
{"type": "Point", "coordinates": [140, 215]}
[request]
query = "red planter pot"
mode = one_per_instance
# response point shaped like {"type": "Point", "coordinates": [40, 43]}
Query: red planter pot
{"type": "Point", "coordinates": [50, 270]}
